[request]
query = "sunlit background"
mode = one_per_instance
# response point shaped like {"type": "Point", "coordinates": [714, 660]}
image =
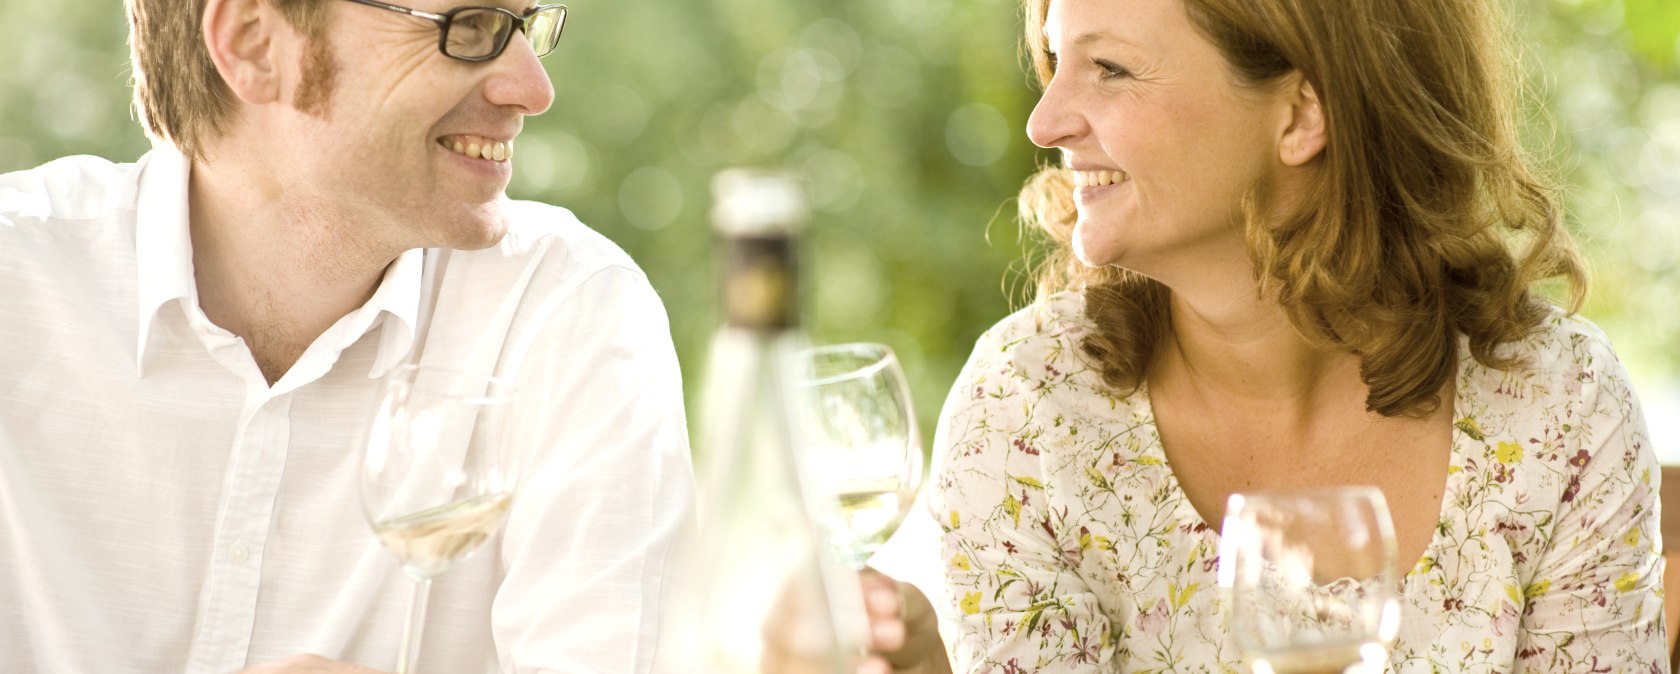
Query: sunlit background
{"type": "Point", "coordinates": [905, 119]}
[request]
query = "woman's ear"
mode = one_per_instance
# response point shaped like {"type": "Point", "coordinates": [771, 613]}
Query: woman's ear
{"type": "Point", "coordinates": [1304, 135]}
{"type": "Point", "coordinates": [240, 36]}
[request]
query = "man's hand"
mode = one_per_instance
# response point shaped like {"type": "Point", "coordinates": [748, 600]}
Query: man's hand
{"type": "Point", "coordinates": [903, 630]}
{"type": "Point", "coordinates": [308, 664]}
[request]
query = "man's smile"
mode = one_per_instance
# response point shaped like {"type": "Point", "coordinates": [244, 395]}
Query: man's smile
{"type": "Point", "coordinates": [478, 147]}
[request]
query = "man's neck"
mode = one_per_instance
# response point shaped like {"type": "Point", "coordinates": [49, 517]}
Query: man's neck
{"type": "Point", "coordinates": [271, 270]}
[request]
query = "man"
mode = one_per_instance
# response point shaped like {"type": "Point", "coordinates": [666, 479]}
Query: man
{"type": "Point", "coordinates": [190, 347]}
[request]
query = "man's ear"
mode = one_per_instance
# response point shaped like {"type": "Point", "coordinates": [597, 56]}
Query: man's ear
{"type": "Point", "coordinates": [242, 37]}
{"type": "Point", "coordinates": [1304, 135]}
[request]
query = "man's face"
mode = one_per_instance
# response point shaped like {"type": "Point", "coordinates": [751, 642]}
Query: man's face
{"type": "Point", "coordinates": [384, 124]}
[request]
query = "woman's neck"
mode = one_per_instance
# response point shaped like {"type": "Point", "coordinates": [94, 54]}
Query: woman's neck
{"type": "Point", "coordinates": [1240, 349]}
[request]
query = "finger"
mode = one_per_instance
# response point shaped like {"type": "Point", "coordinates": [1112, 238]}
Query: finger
{"type": "Point", "coordinates": [775, 661]}
{"type": "Point", "coordinates": [887, 634]}
{"type": "Point", "coordinates": [872, 579]}
{"type": "Point", "coordinates": [880, 594]}
{"type": "Point", "coordinates": [882, 601]}
{"type": "Point", "coordinates": [874, 665]}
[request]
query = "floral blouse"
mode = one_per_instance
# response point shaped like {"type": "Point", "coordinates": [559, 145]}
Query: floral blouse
{"type": "Point", "coordinates": [1070, 547]}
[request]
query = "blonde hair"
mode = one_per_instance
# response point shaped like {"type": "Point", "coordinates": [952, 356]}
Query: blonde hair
{"type": "Point", "coordinates": [1410, 237]}
{"type": "Point", "coordinates": [178, 93]}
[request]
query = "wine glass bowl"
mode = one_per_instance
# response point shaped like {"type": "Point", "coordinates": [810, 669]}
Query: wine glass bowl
{"type": "Point", "coordinates": [864, 451]}
{"type": "Point", "coordinates": [436, 476]}
{"type": "Point", "coordinates": [1310, 575]}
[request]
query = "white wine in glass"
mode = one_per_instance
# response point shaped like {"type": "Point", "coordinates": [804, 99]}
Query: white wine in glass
{"type": "Point", "coordinates": [433, 540]}
{"type": "Point", "coordinates": [436, 477]}
{"type": "Point", "coordinates": [1311, 580]}
{"type": "Point", "coordinates": [863, 448]}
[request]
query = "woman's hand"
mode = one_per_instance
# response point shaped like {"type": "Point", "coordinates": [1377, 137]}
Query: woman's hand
{"type": "Point", "coordinates": [903, 629]}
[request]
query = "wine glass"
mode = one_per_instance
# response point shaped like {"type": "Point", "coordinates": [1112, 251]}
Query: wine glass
{"type": "Point", "coordinates": [436, 480]}
{"type": "Point", "coordinates": [863, 451]}
{"type": "Point", "coordinates": [1311, 579]}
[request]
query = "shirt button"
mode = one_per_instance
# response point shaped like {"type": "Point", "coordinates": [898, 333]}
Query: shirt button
{"type": "Point", "coordinates": [239, 553]}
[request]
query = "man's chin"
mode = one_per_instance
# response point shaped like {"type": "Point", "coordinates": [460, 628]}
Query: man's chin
{"type": "Point", "coordinates": [489, 234]}
{"type": "Point", "coordinates": [476, 228]}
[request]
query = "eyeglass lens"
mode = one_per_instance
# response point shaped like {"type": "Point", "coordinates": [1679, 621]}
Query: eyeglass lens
{"type": "Point", "coordinates": [479, 32]}
{"type": "Point", "coordinates": [544, 29]}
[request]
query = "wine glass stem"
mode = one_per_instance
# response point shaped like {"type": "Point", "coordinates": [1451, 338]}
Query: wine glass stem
{"type": "Point", "coordinates": [413, 627]}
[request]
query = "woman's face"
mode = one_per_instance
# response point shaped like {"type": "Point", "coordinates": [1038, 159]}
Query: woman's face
{"type": "Point", "coordinates": [1162, 140]}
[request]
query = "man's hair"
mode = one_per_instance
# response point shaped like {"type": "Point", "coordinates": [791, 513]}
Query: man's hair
{"type": "Point", "coordinates": [1426, 223]}
{"type": "Point", "coordinates": [180, 96]}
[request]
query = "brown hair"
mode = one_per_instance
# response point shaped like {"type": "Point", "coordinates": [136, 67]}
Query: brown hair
{"type": "Point", "coordinates": [1409, 238]}
{"type": "Point", "coordinates": [178, 92]}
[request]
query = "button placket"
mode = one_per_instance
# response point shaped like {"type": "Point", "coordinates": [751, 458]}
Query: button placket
{"type": "Point", "coordinates": [259, 455]}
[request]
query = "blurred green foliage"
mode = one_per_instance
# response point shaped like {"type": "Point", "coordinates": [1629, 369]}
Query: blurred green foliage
{"type": "Point", "coordinates": [1654, 29]}
{"type": "Point", "coordinates": [905, 120]}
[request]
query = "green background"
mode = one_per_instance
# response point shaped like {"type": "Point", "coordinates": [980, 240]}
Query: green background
{"type": "Point", "coordinates": [905, 119]}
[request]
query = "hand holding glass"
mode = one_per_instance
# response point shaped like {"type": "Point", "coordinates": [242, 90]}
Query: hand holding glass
{"type": "Point", "coordinates": [436, 480]}
{"type": "Point", "coordinates": [864, 450]}
{"type": "Point", "coordinates": [1310, 575]}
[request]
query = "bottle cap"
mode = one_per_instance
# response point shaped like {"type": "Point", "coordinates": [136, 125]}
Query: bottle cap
{"type": "Point", "coordinates": [749, 202]}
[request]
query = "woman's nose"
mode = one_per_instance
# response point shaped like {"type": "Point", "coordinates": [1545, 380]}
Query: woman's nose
{"type": "Point", "coordinates": [1053, 122]}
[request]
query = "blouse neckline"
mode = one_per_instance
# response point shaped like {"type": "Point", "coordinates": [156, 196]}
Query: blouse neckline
{"type": "Point", "coordinates": [1462, 402]}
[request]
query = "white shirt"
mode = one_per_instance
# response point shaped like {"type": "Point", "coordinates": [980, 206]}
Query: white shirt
{"type": "Point", "coordinates": [163, 509]}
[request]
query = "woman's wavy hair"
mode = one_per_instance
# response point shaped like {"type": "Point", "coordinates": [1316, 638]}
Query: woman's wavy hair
{"type": "Point", "coordinates": [1427, 221]}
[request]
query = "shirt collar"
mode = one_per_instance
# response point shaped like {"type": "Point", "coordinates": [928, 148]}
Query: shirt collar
{"type": "Point", "coordinates": [398, 298]}
{"type": "Point", "coordinates": [162, 241]}
{"type": "Point", "coordinates": [163, 263]}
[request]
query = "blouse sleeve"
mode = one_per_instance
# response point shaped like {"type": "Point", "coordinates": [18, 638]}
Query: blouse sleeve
{"type": "Point", "coordinates": [1595, 599]}
{"type": "Point", "coordinates": [1019, 605]}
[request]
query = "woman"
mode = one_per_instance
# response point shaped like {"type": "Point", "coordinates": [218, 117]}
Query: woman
{"type": "Point", "coordinates": [1296, 240]}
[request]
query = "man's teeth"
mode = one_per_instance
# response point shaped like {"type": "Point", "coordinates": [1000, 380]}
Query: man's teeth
{"type": "Point", "coordinates": [481, 148]}
{"type": "Point", "coordinates": [1098, 178]}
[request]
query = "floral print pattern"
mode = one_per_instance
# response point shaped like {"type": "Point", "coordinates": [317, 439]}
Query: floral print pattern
{"type": "Point", "coordinates": [1070, 547]}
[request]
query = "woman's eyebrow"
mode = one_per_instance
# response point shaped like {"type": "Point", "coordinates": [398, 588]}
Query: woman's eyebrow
{"type": "Point", "coordinates": [1084, 39]}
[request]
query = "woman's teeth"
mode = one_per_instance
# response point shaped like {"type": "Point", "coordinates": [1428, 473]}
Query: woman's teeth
{"type": "Point", "coordinates": [1098, 178]}
{"type": "Point", "coordinates": [479, 148]}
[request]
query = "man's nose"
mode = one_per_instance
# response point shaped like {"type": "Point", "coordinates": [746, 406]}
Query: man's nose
{"type": "Point", "coordinates": [520, 81]}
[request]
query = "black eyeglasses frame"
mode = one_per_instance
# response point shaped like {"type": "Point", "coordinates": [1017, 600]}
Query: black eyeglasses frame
{"type": "Point", "coordinates": [521, 23]}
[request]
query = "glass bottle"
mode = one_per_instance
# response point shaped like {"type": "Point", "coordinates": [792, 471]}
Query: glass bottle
{"type": "Point", "coordinates": [757, 590]}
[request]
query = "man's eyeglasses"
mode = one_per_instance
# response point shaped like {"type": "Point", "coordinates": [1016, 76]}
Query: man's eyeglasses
{"type": "Point", "coordinates": [481, 33]}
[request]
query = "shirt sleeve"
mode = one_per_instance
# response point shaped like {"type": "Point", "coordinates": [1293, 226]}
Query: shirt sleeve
{"type": "Point", "coordinates": [609, 483]}
{"type": "Point", "coordinates": [1595, 599]}
{"type": "Point", "coordinates": [1020, 606]}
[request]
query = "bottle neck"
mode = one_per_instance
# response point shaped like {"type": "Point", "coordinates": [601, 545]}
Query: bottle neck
{"type": "Point", "coordinates": [760, 282]}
